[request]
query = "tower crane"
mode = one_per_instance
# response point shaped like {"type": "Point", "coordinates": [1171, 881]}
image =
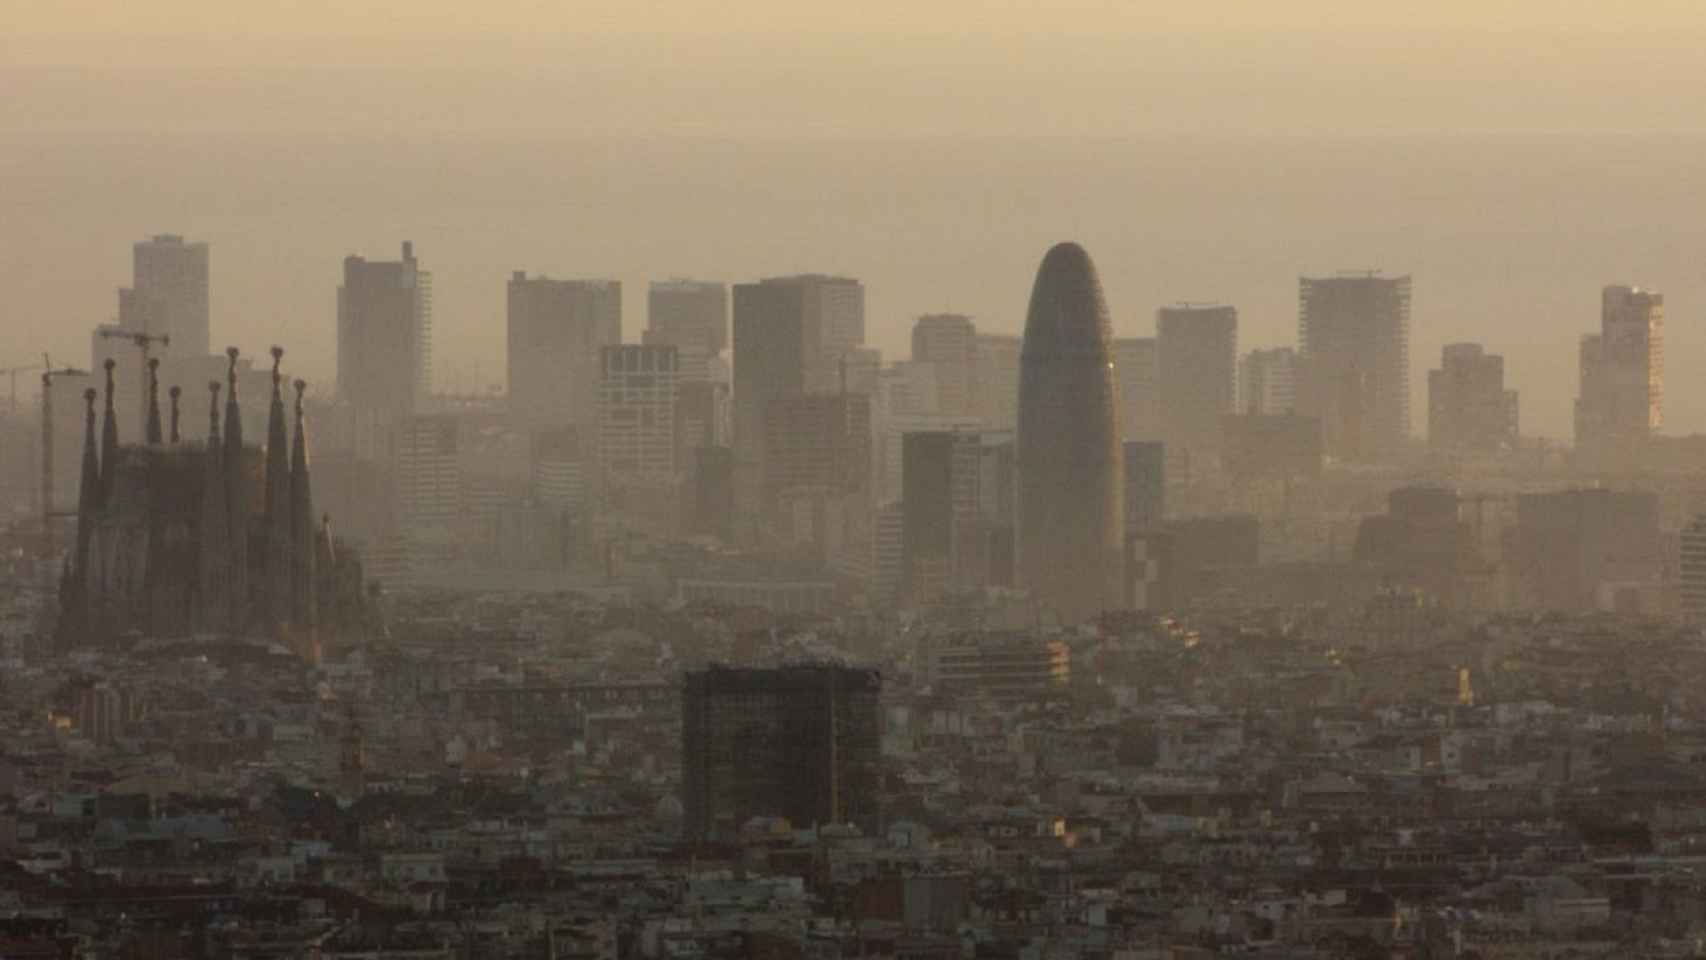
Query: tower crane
{"type": "Point", "coordinates": [13, 372]}
{"type": "Point", "coordinates": [145, 345]}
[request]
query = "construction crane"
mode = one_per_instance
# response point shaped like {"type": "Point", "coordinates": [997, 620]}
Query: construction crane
{"type": "Point", "coordinates": [145, 345]}
{"type": "Point", "coordinates": [13, 372]}
{"type": "Point", "coordinates": [47, 510]}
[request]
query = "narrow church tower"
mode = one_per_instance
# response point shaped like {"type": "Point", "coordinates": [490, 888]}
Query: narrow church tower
{"type": "Point", "coordinates": [214, 557]}
{"type": "Point", "coordinates": [303, 599]}
{"type": "Point", "coordinates": [109, 437]}
{"type": "Point", "coordinates": [88, 495]}
{"type": "Point", "coordinates": [277, 566]}
{"type": "Point", "coordinates": [236, 501]}
{"type": "Point", "coordinates": [175, 393]}
{"type": "Point", "coordinates": [155, 437]}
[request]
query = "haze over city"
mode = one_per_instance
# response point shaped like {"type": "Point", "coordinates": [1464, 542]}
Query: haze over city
{"type": "Point", "coordinates": [1512, 157]}
{"type": "Point", "coordinates": [905, 480]}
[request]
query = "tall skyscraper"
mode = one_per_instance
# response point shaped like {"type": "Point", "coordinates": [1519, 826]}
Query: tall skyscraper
{"type": "Point", "coordinates": [636, 414]}
{"type": "Point", "coordinates": [1196, 354]}
{"type": "Point", "coordinates": [998, 380]}
{"type": "Point", "coordinates": [832, 316]}
{"type": "Point", "coordinates": [557, 329]}
{"type": "Point", "coordinates": [693, 317]}
{"type": "Point", "coordinates": [770, 348]}
{"type": "Point", "coordinates": [1469, 409]}
{"type": "Point", "coordinates": [1621, 401]}
{"type": "Point", "coordinates": [948, 342]}
{"type": "Point", "coordinates": [385, 334]}
{"type": "Point", "coordinates": [1068, 458]}
{"type": "Point", "coordinates": [168, 295]}
{"type": "Point", "coordinates": [1267, 382]}
{"type": "Point", "coordinates": [1353, 332]}
{"type": "Point", "coordinates": [800, 742]}
{"type": "Point", "coordinates": [1136, 372]}
{"type": "Point", "coordinates": [942, 538]}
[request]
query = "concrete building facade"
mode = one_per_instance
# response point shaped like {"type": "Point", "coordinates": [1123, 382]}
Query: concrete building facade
{"type": "Point", "coordinates": [1353, 333]}
{"type": "Point", "coordinates": [557, 329]}
{"type": "Point", "coordinates": [1620, 404]}
{"type": "Point", "coordinates": [385, 334]}
{"type": "Point", "coordinates": [168, 295]}
{"type": "Point", "coordinates": [1196, 354]}
{"type": "Point", "coordinates": [948, 342]}
{"type": "Point", "coordinates": [1469, 409]}
{"type": "Point", "coordinates": [637, 402]}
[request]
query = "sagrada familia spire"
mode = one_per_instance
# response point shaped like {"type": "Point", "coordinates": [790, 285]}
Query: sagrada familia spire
{"type": "Point", "coordinates": [210, 539]}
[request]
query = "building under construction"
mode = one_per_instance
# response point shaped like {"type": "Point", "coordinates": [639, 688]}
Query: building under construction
{"type": "Point", "coordinates": [183, 538]}
{"type": "Point", "coordinates": [799, 742]}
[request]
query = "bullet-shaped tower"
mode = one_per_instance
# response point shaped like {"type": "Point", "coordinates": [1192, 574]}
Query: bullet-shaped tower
{"type": "Point", "coordinates": [1068, 462]}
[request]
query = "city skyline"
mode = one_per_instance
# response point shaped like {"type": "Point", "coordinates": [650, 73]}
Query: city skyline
{"type": "Point", "coordinates": [1317, 570]}
{"type": "Point", "coordinates": [452, 374]}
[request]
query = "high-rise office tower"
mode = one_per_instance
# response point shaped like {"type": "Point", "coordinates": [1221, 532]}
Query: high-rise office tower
{"type": "Point", "coordinates": [948, 342]}
{"type": "Point", "coordinates": [168, 295]}
{"type": "Point", "coordinates": [693, 317]}
{"type": "Point", "coordinates": [1196, 355]}
{"type": "Point", "coordinates": [1621, 401]}
{"type": "Point", "coordinates": [770, 348]}
{"type": "Point", "coordinates": [636, 413]}
{"type": "Point", "coordinates": [1353, 333]}
{"type": "Point", "coordinates": [1145, 485]}
{"type": "Point", "coordinates": [1469, 409]}
{"type": "Point", "coordinates": [557, 329]}
{"type": "Point", "coordinates": [998, 380]}
{"type": "Point", "coordinates": [942, 538]}
{"type": "Point", "coordinates": [1267, 382]}
{"type": "Point", "coordinates": [1136, 373]}
{"type": "Point", "coordinates": [1068, 458]}
{"type": "Point", "coordinates": [831, 314]}
{"type": "Point", "coordinates": [799, 742]}
{"type": "Point", "coordinates": [385, 334]}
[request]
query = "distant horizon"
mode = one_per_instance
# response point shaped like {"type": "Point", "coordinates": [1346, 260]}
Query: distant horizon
{"type": "Point", "coordinates": [1509, 237]}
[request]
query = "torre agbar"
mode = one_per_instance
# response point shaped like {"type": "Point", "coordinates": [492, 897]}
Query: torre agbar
{"type": "Point", "coordinates": [1068, 457]}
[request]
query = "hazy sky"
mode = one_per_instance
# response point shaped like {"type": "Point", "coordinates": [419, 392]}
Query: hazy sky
{"type": "Point", "coordinates": [286, 20]}
{"type": "Point", "coordinates": [1208, 150]}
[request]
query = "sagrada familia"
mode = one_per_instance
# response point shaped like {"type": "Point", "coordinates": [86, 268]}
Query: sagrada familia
{"type": "Point", "coordinates": [181, 539]}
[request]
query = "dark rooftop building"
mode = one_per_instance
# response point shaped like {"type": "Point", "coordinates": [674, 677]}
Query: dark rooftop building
{"type": "Point", "coordinates": [798, 742]}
